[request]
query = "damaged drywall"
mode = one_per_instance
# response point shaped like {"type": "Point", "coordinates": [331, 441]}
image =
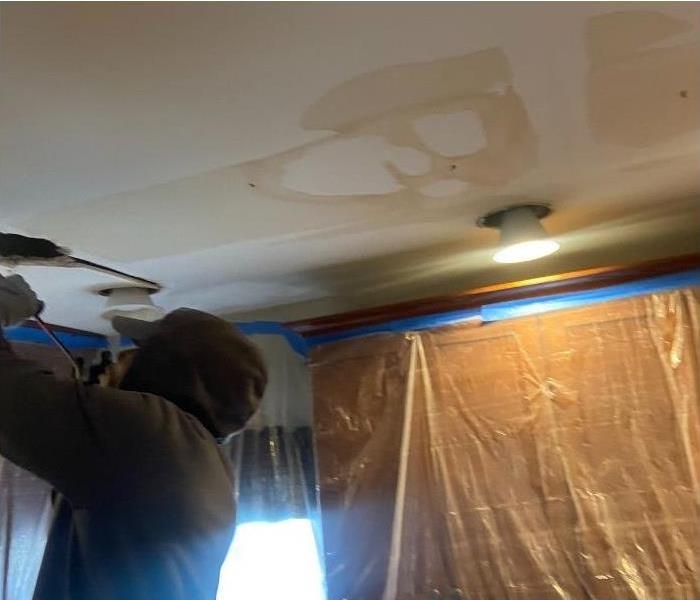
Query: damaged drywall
{"type": "Point", "coordinates": [412, 125]}
{"type": "Point", "coordinates": [321, 152]}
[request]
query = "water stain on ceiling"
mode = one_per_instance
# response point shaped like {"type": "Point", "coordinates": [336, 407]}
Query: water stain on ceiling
{"type": "Point", "coordinates": [379, 165]}
{"type": "Point", "coordinates": [409, 126]}
{"type": "Point", "coordinates": [643, 86]}
{"type": "Point", "coordinates": [371, 176]}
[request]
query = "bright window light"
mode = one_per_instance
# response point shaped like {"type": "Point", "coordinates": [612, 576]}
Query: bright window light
{"type": "Point", "coordinates": [525, 251]}
{"type": "Point", "coordinates": [272, 561]}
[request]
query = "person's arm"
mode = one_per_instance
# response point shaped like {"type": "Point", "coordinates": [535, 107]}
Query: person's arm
{"type": "Point", "coordinates": [44, 427]}
{"type": "Point", "coordinates": [87, 441]}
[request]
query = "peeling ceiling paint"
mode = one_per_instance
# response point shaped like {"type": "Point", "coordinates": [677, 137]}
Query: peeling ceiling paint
{"type": "Point", "coordinates": [353, 166]}
{"type": "Point", "coordinates": [452, 135]}
{"type": "Point", "coordinates": [250, 155]}
{"type": "Point", "coordinates": [444, 187]}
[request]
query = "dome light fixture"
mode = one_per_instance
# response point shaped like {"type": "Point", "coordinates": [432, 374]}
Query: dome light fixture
{"type": "Point", "coordinates": [132, 302]}
{"type": "Point", "coordinates": [522, 236]}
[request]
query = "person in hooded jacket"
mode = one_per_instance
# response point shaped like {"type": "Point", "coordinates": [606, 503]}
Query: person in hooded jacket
{"type": "Point", "coordinates": [145, 506]}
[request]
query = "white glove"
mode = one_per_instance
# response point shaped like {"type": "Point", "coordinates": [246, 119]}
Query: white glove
{"type": "Point", "coordinates": [18, 301]}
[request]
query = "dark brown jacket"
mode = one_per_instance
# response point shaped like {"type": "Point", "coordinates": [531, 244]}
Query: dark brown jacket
{"type": "Point", "coordinates": [146, 506]}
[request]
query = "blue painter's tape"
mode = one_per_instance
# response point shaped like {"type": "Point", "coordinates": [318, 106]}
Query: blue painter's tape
{"type": "Point", "coordinates": [491, 312]}
{"type": "Point", "coordinates": [521, 308]}
{"type": "Point", "coordinates": [70, 340]}
{"type": "Point", "coordinates": [126, 342]}
{"type": "Point", "coordinates": [296, 341]}
{"type": "Point", "coordinates": [397, 326]}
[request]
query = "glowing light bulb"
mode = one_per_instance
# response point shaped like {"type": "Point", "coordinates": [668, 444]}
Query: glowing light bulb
{"type": "Point", "coordinates": [522, 236]}
{"type": "Point", "coordinates": [524, 251]}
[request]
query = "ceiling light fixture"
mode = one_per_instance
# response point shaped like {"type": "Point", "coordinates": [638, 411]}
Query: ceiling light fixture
{"type": "Point", "coordinates": [132, 302]}
{"type": "Point", "coordinates": [522, 236]}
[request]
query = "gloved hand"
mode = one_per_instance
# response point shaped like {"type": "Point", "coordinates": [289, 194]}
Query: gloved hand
{"type": "Point", "coordinates": [18, 301]}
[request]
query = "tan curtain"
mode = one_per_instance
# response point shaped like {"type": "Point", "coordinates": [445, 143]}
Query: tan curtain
{"type": "Point", "coordinates": [550, 457]}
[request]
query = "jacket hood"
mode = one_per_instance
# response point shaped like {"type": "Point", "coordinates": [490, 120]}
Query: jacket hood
{"type": "Point", "coordinates": [202, 364]}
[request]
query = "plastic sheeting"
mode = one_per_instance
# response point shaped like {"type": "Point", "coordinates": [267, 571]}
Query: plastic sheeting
{"type": "Point", "coordinates": [25, 514]}
{"type": "Point", "coordinates": [359, 391]}
{"type": "Point", "coordinates": [551, 457]}
{"type": "Point", "coordinates": [274, 458]}
{"type": "Point", "coordinates": [277, 493]}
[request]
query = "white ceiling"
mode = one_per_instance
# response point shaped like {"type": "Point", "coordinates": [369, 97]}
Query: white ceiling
{"type": "Point", "coordinates": [337, 154]}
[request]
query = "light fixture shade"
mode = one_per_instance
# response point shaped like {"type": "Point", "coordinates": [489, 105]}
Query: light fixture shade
{"type": "Point", "coordinates": [520, 224]}
{"type": "Point", "coordinates": [132, 302]}
{"type": "Point", "coordinates": [522, 236]}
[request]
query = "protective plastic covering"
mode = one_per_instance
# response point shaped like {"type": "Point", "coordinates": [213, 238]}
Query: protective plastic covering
{"type": "Point", "coordinates": [25, 512]}
{"type": "Point", "coordinates": [276, 547]}
{"type": "Point", "coordinates": [274, 458]}
{"type": "Point", "coordinates": [549, 457]}
{"type": "Point", "coordinates": [359, 392]}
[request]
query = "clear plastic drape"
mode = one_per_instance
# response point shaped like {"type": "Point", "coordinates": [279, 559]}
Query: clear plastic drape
{"type": "Point", "coordinates": [551, 457]}
{"type": "Point", "coordinates": [25, 513]}
{"type": "Point", "coordinates": [359, 393]}
{"type": "Point", "coordinates": [274, 458]}
{"type": "Point", "coordinates": [276, 548]}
